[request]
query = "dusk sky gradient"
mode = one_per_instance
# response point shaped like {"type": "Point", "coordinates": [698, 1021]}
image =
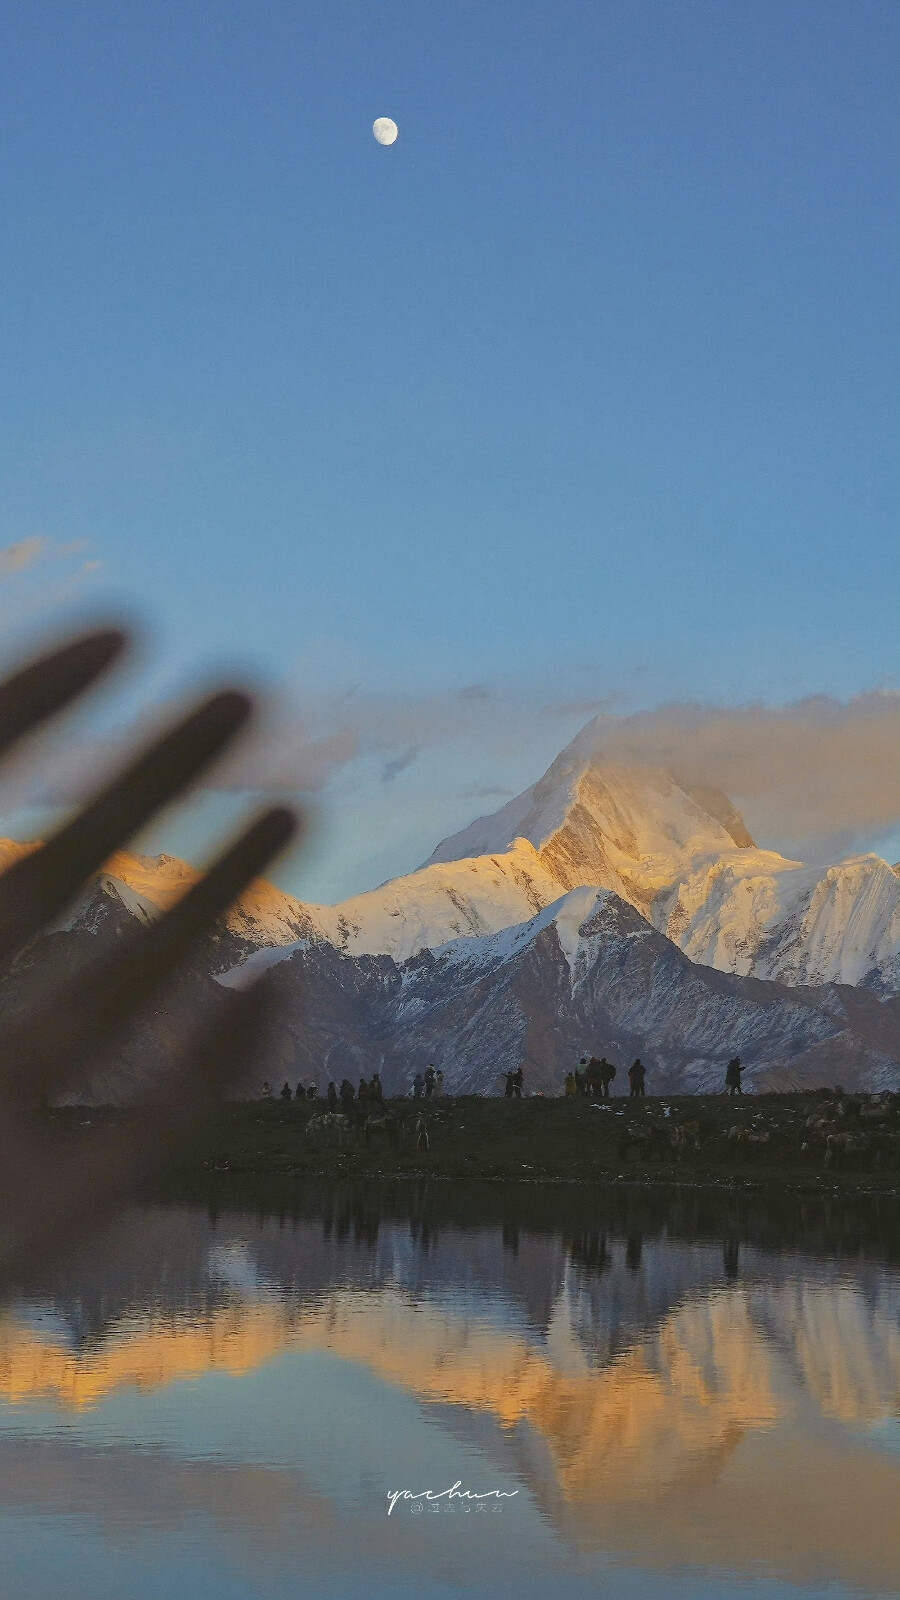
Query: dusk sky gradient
{"type": "Point", "coordinates": [585, 389]}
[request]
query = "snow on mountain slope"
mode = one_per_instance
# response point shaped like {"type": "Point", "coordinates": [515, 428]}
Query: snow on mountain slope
{"type": "Point", "coordinates": [146, 886]}
{"type": "Point", "coordinates": [463, 899]}
{"type": "Point", "coordinates": [590, 973]}
{"type": "Point", "coordinates": [683, 858]}
{"type": "Point", "coordinates": [756, 913]}
{"type": "Point", "coordinates": [630, 829]}
{"type": "Point", "coordinates": [680, 855]}
{"type": "Point", "coordinates": [149, 885]}
{"type": "Point", "coordinates": [565, 916]}
{"type": "Point", "coordinates": [441, 902]}
{"type": "Point", "coordinates": [585, 974]}
{"type": "Point", "coordinates": [426, 908]}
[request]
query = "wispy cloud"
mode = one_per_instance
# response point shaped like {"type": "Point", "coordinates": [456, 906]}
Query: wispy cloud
{"type": "Point", "coordinates": [19, 557]}
{"type": "Point", "coordinates": [399, 763]}
{"type": "Point", "coordinates": [26, 553]}
{"type": "Point", "coordinates": [817, 775]}
{"type": "Point", "coordinates": [39, 573]}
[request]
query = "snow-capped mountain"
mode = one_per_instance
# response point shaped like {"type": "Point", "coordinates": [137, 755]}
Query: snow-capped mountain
{"type": "Point", "coordinates": [586, 973]}
{"type": "Point", "coordinates": [431, 906]}
{"type": "Point", "coordinates": [630, 829]}
{"type": "Point", "coordinates": [611, 908]}
{"type": "Point", "coordinates": [755, 913]}
{"type": "Point", "coordinates": [684, 858]}
{"type": "Point", "coordinates": [144, 887]}
{"type": "Point", "coordinates": [680, 855]}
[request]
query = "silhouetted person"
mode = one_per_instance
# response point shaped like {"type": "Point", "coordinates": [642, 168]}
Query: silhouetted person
{"type": "Point", "coordinates": [581, 1076]}
{"type": "Point", "coordinates": [636, 1076]}
{"type": "Point", "coordinates": [439, 1083]}
{"type": "Point", "coordinates": [429, 1081]}
{"type": "Point", "coordinates": [312, 1091]}
{"type": "Point", "coordinates": [347, 1097]}
{"type": "Point", "coordinates": [518, 1080]}
{"type": "Point", "coordinates": [606, 1075]}
{"type": "Point", "coordinates": [286, 1092]}
{"type": "Point", "coordinates": [301, 1092]}
{"type": "Point", "coordinates": [418, 1086]}
{"type": "Point", "coordinates": [733, 1076]}
{"type": "Point", "coordinates": [509, 1090]}
{"type": "Point", "coordinates": [332, 1096]}
{"type": "Point", "coordinates": [376, 1092]}
{"type": "Point", "coordinates": [267, 1091]}
{"type": "Point", "coordinates": [362, 1093]}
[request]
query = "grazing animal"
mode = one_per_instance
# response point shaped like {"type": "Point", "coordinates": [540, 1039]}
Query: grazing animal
{"type": "Point", "coordinates": [644, 1144]}
{"type": "Point", "coordinates": [887, 1149]}
{"type": "Point", "coordinates": [634, 1141]}
{"type": "Point", "coordinates": [685, 1138]}
{"type": "Point", "coordinates": [314, 1128]}
{"type": "Point", "coordinates": [329, 1127]}
{"type": "Point", "coordinates": [814, 1133]}
{"type": "Point", "coordinates": [838, 1146]}
{"type": "Point", "coordinates": [374, 1125]}
{"type": "Point", "coordinates": [757, 1145]}
{"type": "Point", "coordinates": [873, 1113]}
{"type": "Point", "coordinates": [849, 1108]}
{"type": "Point", "coordinates": [747, 1143]}
{"type": "Point", "coordinates": [818, 1125]}
{"type": "Point", "coordinates": [660, 1143]}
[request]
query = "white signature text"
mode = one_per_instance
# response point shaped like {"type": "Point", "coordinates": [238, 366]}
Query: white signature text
{"type": "Point", "coordinates": [448, 1495]}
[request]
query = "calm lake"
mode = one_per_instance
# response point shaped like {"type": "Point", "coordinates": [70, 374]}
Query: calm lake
{"type": "Point", "coordinates": [658, 1396]}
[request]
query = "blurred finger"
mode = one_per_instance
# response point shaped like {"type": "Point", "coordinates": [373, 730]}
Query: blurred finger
{"type": "Point", "coordinates": [39, 887]}
{"type": "Point", "coordinates": [70, 1183]}
{"type": "Point", "coordinates": [47, 1054]}
{"type": "Point", "coordinates": [45, 686]}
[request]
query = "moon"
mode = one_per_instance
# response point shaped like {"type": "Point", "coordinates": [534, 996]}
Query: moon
{"type": "Point", "coordinates": [385, 130]}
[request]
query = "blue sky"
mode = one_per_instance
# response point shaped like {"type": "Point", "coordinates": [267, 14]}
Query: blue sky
{"type": "Point", "coordinates": [586, 388]}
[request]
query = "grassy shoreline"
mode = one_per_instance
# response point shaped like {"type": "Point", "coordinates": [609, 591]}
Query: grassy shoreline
{"type": "Point", "coordinates": [548, 1142]}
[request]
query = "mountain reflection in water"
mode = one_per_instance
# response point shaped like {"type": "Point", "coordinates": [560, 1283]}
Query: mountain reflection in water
{"type": "Point", "coordinates": [666, 1403]}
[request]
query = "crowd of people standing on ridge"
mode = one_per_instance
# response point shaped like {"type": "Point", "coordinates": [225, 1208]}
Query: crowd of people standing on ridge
{"type": "Point", "coordinates": [369, 1092]}
{"type": "Point", "coordinates": [368, 1096]}
{"type": "Point", "coordinates": [590, 1079]}
{"type": "Point", "coordinates": [593, 1079]}
{"type": "Point", "coordinates": [429, 1084]}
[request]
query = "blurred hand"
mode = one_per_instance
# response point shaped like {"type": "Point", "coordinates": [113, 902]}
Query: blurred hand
{"type": "Point", "coordinates": [51, 1189]}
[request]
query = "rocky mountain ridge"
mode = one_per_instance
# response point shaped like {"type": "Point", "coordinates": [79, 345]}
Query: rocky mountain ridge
{"type": "Point", "coordinates": [606, 908]}
{"type": "Point", "coordinates": [588, 973]}
{"type": "Point", "coordinates": [681, 855]}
